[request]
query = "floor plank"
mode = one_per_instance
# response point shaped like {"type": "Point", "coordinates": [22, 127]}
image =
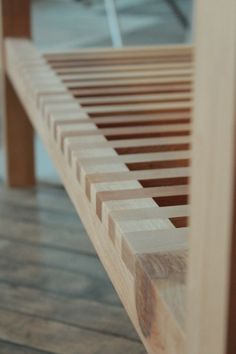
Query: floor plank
{"type": "Point", "coordinates": [58, 280]}
{"type": "Point", "coordinates": [12, 348]}
{"type": "Point", "coordinates": [59, 338]}
{"type": "Point", "coordinates": [54, 294]}
{"type": "Point", "coordinates": [37, 213]}
{"type": "Point", "coordinates": [90, 315]}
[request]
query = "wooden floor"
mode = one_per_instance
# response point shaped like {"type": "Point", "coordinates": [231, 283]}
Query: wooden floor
{"type": "Point", "coordinates": [54, 294]}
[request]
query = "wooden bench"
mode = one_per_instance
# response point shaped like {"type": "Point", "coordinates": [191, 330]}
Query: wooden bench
{"type": "Point", "coordinates": [117, 125]}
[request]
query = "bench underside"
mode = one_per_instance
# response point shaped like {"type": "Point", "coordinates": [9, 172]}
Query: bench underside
{"type": "Point", "coordinates": [117, 125]}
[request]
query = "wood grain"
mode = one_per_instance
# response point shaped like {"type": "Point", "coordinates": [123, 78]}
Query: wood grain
{"type": "Point", "coordinates": [16, 327]}
{"type": "Point", "coordinates": [102, 181]}
{"type": "Point", "coordinates": [30, 267]}
{"type": "Point", "coordinates": [18, 132]}
{"type": "Point", "coordinates": [210, 316]}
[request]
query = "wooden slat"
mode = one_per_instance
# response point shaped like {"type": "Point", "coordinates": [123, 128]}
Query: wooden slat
{"type": "Point", "coordinates": [135, 99]}
{"type": "Point", "coordinates": [89, 53]}
{"type": "Point", "coordinates": [130, 68]}
{"type": "Point", "coordinates": [129, 82]}
{"type": "Point", "coordinates": [132, 89]}
{"type": "Point", "coordinates": [128, 74]}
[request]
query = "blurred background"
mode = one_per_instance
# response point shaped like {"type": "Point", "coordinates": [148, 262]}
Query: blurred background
{"type": "Point", "coordinates": [85, 23]}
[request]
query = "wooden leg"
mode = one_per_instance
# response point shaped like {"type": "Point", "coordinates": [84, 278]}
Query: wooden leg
{"type": "Point", "coordinates": [19, 141]}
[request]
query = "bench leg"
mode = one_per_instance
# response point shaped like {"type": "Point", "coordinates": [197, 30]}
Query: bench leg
{"type": "Point", "coordinates": [19, 141]}
{"type": "Point", "coordinates": [19, 137]}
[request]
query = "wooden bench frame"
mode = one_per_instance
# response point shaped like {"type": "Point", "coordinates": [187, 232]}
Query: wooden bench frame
{"type": "Point", "coordinates": [211, 280]}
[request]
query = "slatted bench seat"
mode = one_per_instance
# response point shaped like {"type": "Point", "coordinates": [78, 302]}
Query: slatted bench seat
{"type": "Point", "coordinates": [117, 125]}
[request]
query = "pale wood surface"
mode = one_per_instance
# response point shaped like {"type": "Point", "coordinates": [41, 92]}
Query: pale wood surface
{"type": "Point", "coordinates": [145, 258]}
{"type": "Point", "coordinates": [212, 242]}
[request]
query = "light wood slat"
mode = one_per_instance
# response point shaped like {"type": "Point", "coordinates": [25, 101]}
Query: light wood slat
{"type": "Point", "coordinates": [103, 169]}
{"type": "Point", "coordinates": [128, 74]}
{"type": "Point", "coordinates": [72, 117]}
{"type": "Point", "coordinates": [135, 99]}
{"type": "Point", "coordinates": [140, 107]}
{"type": "Point", "coordinates": [83, 170]}
{"type": "Point", "coordinates": [129, 204]}
{"type": "Point", "coordinates": [54, 116]}
{"type": "Point", "coordinates": [117, 192]}
{"type": "Point", "coordinates": [164, 117]}
{"type": "Point", "coordinates": [64, 99]}
{"type": "Point", "coordinates": [72, 128]}
{"type": "Point", "coordinates": [117, 230]}
{"type": "Point", "coordinates": [138, 50]}
{"type": "Point", "coordinates": [132, 89]}
{"type": "Point", "coordinates": [123, 68]}
{"type": "Point", "coordinates": [128, 58]}
{"type": "Point", "coordinates": [125, 61]}
{"type": "Point", "coordinates": [163, 156]}
{"type": "Point", "coordinates": [123, 194]}
{"type": "Point", "coordinates": [158, 118]}
{"type": "Point", "coordinates": [130, 82]}
{"type": "Point", "coordinates": [119, 59]}
{"type": "Point", "coordinates": [58, 97]}
{"type": "Point", "coordinates": [147, 213]}
{"type": "Point", "coordinates": [130, 194]}
{"type": "Point", "coordinates": [120, 221]}
{"type": "Point", "coordinates": [147, 174]}
{"type": "Point", "coordinates": [78, 130]}
{"type": "Point", "coordinates": [74, 143]}
{"type": "Point", "coordinates": [134, 60]}
{"type": "Point", "coordinates": [163, 176]}
{"type": "Point", "coordinates": [129, 190]}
